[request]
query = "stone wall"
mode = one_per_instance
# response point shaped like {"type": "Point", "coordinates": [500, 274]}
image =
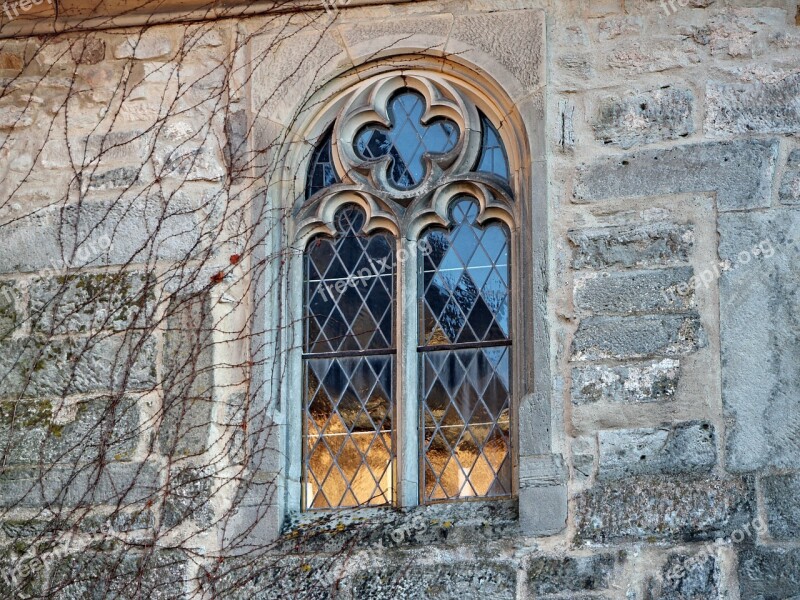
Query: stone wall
{"type": "Point", "coordinates": [138, 258]}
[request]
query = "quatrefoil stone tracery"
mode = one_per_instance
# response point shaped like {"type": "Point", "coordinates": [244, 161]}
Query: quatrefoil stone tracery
{"type": "Point", "coordinates": [407, 140]}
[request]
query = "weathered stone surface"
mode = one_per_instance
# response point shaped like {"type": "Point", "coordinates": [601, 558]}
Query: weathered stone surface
{"type": "Point", "coordinates": [631, 246]}
{"type": "Point", "coordinates": [638, 382]}
{"type": "Point", "coordinates": [687, 578]}
{"type": "Point", "coordinates": [147, 44]}
{"type": "Point", "coordinates": [634, 57]}
{"type": "Point", "coordinates": [10, 308]}
{"type": "Point", "coordinates": [739, 172]}
{"type": "Point", "coordinates": [553, 575]}
{"type": "Point", "coordinates": [22, 573]}
{"type": "Point", "coordinates": [684, 448]}
{"type": "Point", "coordinates": [781, 494]}
{"type": "Point", "coordinates": [760, 337]}
{"type": "Point", "coordinates": [515, 39]}
{"type": "Point", "coordinates": [99, 575]}
{"type": "Point", "coordinates": [32, 367]}
{"type": "Point", "coordinates": [106, 233]}
{"type": "Point", "coordinates": [117, 482]}
{"type": "Point", "coordinates": [769, 573]}
{"type": "Point", "coordinates": [634, 291]}
{"type": "Point", "coordinates": [39, 432]}
{"type": "Point", "coordinates": [662, 114]}
{"type": "Point", "coordinates": [121, 177]}
{"type": "Point", "coordinates": [621, 338]}
{"type": "Point", "coordinates": [790, 185]}
{"type": "Point", "coordinates": [87, 302]}
{"type": "Point", "coordinates": [88, 50]}
{"type": "Point", "coordinates": [438, 582]}
{"type": "Point", "coordinates": [189, 498]}
{"type": "Point", "coordinates": [660, 508]}
{"type": "Point", "coordinates": [758, 107]}
{"type": "Point", "coordinates": [188, 377]}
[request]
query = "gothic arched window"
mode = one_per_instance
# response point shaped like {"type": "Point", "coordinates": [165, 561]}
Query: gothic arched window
{"type": "Point", "coordinates": [408, 335]}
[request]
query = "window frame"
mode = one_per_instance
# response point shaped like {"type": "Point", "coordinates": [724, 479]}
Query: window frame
{"type": "Point", "coordinates": [407, 426]}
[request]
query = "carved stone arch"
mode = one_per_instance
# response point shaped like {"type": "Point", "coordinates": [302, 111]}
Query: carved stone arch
{"type": "Point", "coordinates": [517, 117]}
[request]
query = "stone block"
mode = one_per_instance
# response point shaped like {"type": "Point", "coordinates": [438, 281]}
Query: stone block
{"type": "Point", "coordinates": [555, 574]}
{"type": "Point", "coordinates": [146, 44]}
{"type": "Point", "coordinates": [514, 38]}
{"type": "Point", "coordinates": [11, 308]}
{"type": "Point", "coordinates": [781, 494]}
{"type": "Point", "coordinates": [651, 55]}
{"type": "Point", "coordinates": [187, 379]}
{"type": "Point", "coordinates": [634, 291]}
{"type": "Point", "coordinates": [769, 573]}
{"type": "Point", "coordinates": [790, 184]}
{"type": "Point", "coordinates": [189, 498]}
{"type": "Point", "coordinates": [637, 382]}
{"type": "Point", "coordinates": [118, 178]}
{"type": "Point", "coordinates": [114, 483]}
{"type": "Point", "coordinates": [739, 172]}
{"type": "Point", "coordinates": [753, 108]}
{"type": "Point", "coordinates": [443, 581]}
{"type": "Point", "coordinates": [35, 432]}
{"type": "Point", "coordinates": [32, 367]}
{"type": "Point", "coordinates": [658, 115]}
{"type": "Point", "coordinates": [683, 448]}
{"type": "Point", "coordinates": [543, 509]}
{"type": "Point", "coordinates": [651, 244]}
{"type": "Point", "coordinates": [686, 577]}
{"type": "Point", "coordinates": [760, 338]}
{"type": "Point", "coordinates": [87, 302]}
{"type": "Point", "coordinates": [621, 338]}
{"type": "Point", "coordinates": [686, 509]}
{"type": "Point", "coordinates": [101, 574]}
{"type": "Point", "coordinates": [108, 233]}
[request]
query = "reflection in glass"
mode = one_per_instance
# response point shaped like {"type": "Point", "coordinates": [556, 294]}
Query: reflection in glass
{"type": "Point", "coordinates": [465, 350]}
{"type": "Point", "coordinates": [321, 172]}
{"type": "Point", "coordinates": [348, 443]}
{"type": "Point", "coordinates": [408, 140]}
{"type": "Point", "coordinates": [465, 282]}
{"type": "Point", "coordinates": [493, 157]}
{"type": "Point", "coordinates": [349, 288]}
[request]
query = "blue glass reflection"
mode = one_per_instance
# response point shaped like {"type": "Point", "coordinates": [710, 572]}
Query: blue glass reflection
{"type": "Point", "coordinates": [408, 140]}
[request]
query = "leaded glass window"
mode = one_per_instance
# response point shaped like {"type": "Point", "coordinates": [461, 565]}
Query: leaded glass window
{"type": "Point", "coordinates": [407, 301]}
{"type": "Point", "coordinates": [349, 365]}
{"type": "Point", "coordinates": [464, 350]}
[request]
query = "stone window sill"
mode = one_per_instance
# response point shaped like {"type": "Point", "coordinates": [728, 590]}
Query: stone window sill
{"type": "Point", "coordinates": [458, 523]}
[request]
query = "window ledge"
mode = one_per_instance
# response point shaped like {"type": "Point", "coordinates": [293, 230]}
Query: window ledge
{"type": "Point", "coordinates": [459, 523]}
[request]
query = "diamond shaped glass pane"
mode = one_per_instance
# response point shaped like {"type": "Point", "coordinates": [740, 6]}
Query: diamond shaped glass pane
{"type": "Point", "coordinates": [466, 430]}
{"type": "Point", "coordinates": [348, 442]}
{"type": "Point", "coordinates": [464, 281]}
{"type": "Point", "coordinates": [408, 140]}
{"type": "Point", "coordinates": [349, 288]}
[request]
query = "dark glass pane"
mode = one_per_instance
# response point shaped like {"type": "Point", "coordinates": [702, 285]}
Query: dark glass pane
{"type": "Point", "coordinates": [349, 288]}
{"type": "Point", "coordinates": [348, 445]}
{"type": "Point", "coordinates": [493, 157]}
{"type": "Point", "coordinates": [407, 140]}
{"type": "Point", "coordinates": [466, 428]}
{"type": "Point", "coordinates": [465, 282]}
{"type": "Point", "coordinates": [321, 172]}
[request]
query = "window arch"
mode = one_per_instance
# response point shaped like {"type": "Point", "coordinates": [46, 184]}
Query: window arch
{"type": "Point", "coordinates": [421, 410]}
